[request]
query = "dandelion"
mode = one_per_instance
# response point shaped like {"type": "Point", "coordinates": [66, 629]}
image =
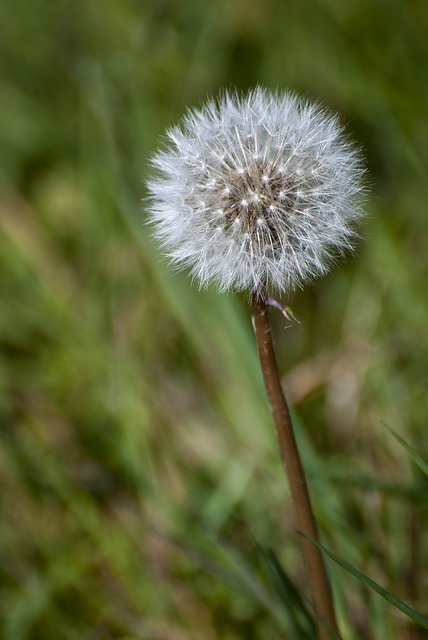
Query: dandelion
{"type": "Point", "coordinates": [257, 192]}
{"type": "Point", "coordinates": [262, 192]}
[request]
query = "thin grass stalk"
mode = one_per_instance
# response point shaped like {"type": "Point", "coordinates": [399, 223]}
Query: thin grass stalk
{"type": "Point", "coordinates": [319, 585]}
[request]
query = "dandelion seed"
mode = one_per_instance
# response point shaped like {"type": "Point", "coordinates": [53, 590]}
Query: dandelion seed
{"type": "Point", "coordinates": [280, 170]}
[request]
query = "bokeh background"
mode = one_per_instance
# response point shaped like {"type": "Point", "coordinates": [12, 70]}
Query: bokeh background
{"type": "Point", "coordinates": [142, 494]}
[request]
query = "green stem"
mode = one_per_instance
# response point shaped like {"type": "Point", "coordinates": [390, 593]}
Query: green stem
{"type": "Point", "coordinates": [304, 517]}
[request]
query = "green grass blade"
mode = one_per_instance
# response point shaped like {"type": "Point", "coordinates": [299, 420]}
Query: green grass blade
{"type": "Point", "coordinates": [300, 617]}
{"type": "Point", "coordinates": [411, 613]}
{"type": "Point", "coordinates": [420, 462]}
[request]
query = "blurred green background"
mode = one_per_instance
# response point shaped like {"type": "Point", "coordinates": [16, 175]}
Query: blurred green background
{"type": "Point", "coordinates": [142, 494]}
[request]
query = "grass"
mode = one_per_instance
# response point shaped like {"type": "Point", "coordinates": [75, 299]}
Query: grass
{"type": "Point", "coordinates": [142, 491]}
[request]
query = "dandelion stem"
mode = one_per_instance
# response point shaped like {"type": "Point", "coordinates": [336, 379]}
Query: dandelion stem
{"type": "Point", "coordinates": [305, 521]}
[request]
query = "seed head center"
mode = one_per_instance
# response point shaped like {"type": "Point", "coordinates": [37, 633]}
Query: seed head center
{"type": "Point", "coordinates": [256, 197]}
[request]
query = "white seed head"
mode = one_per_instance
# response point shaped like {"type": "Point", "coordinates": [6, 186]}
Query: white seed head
{"type": "Point", "coordinates": [270, 171]}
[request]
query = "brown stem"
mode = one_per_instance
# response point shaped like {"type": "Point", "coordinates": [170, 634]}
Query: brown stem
{"type": "Point", "coordinates": [305, 521]}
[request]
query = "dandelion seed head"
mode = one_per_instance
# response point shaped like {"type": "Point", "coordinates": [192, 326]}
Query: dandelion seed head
{"type": "Point", "coordinates": [274, 174]}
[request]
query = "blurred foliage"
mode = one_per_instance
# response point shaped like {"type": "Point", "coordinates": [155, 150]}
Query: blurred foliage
{"type": "Point", "coordinates": [142, 491]}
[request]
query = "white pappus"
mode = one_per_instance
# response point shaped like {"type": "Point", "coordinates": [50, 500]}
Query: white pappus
{"type": "Point", "coordinates": [256, 192]}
